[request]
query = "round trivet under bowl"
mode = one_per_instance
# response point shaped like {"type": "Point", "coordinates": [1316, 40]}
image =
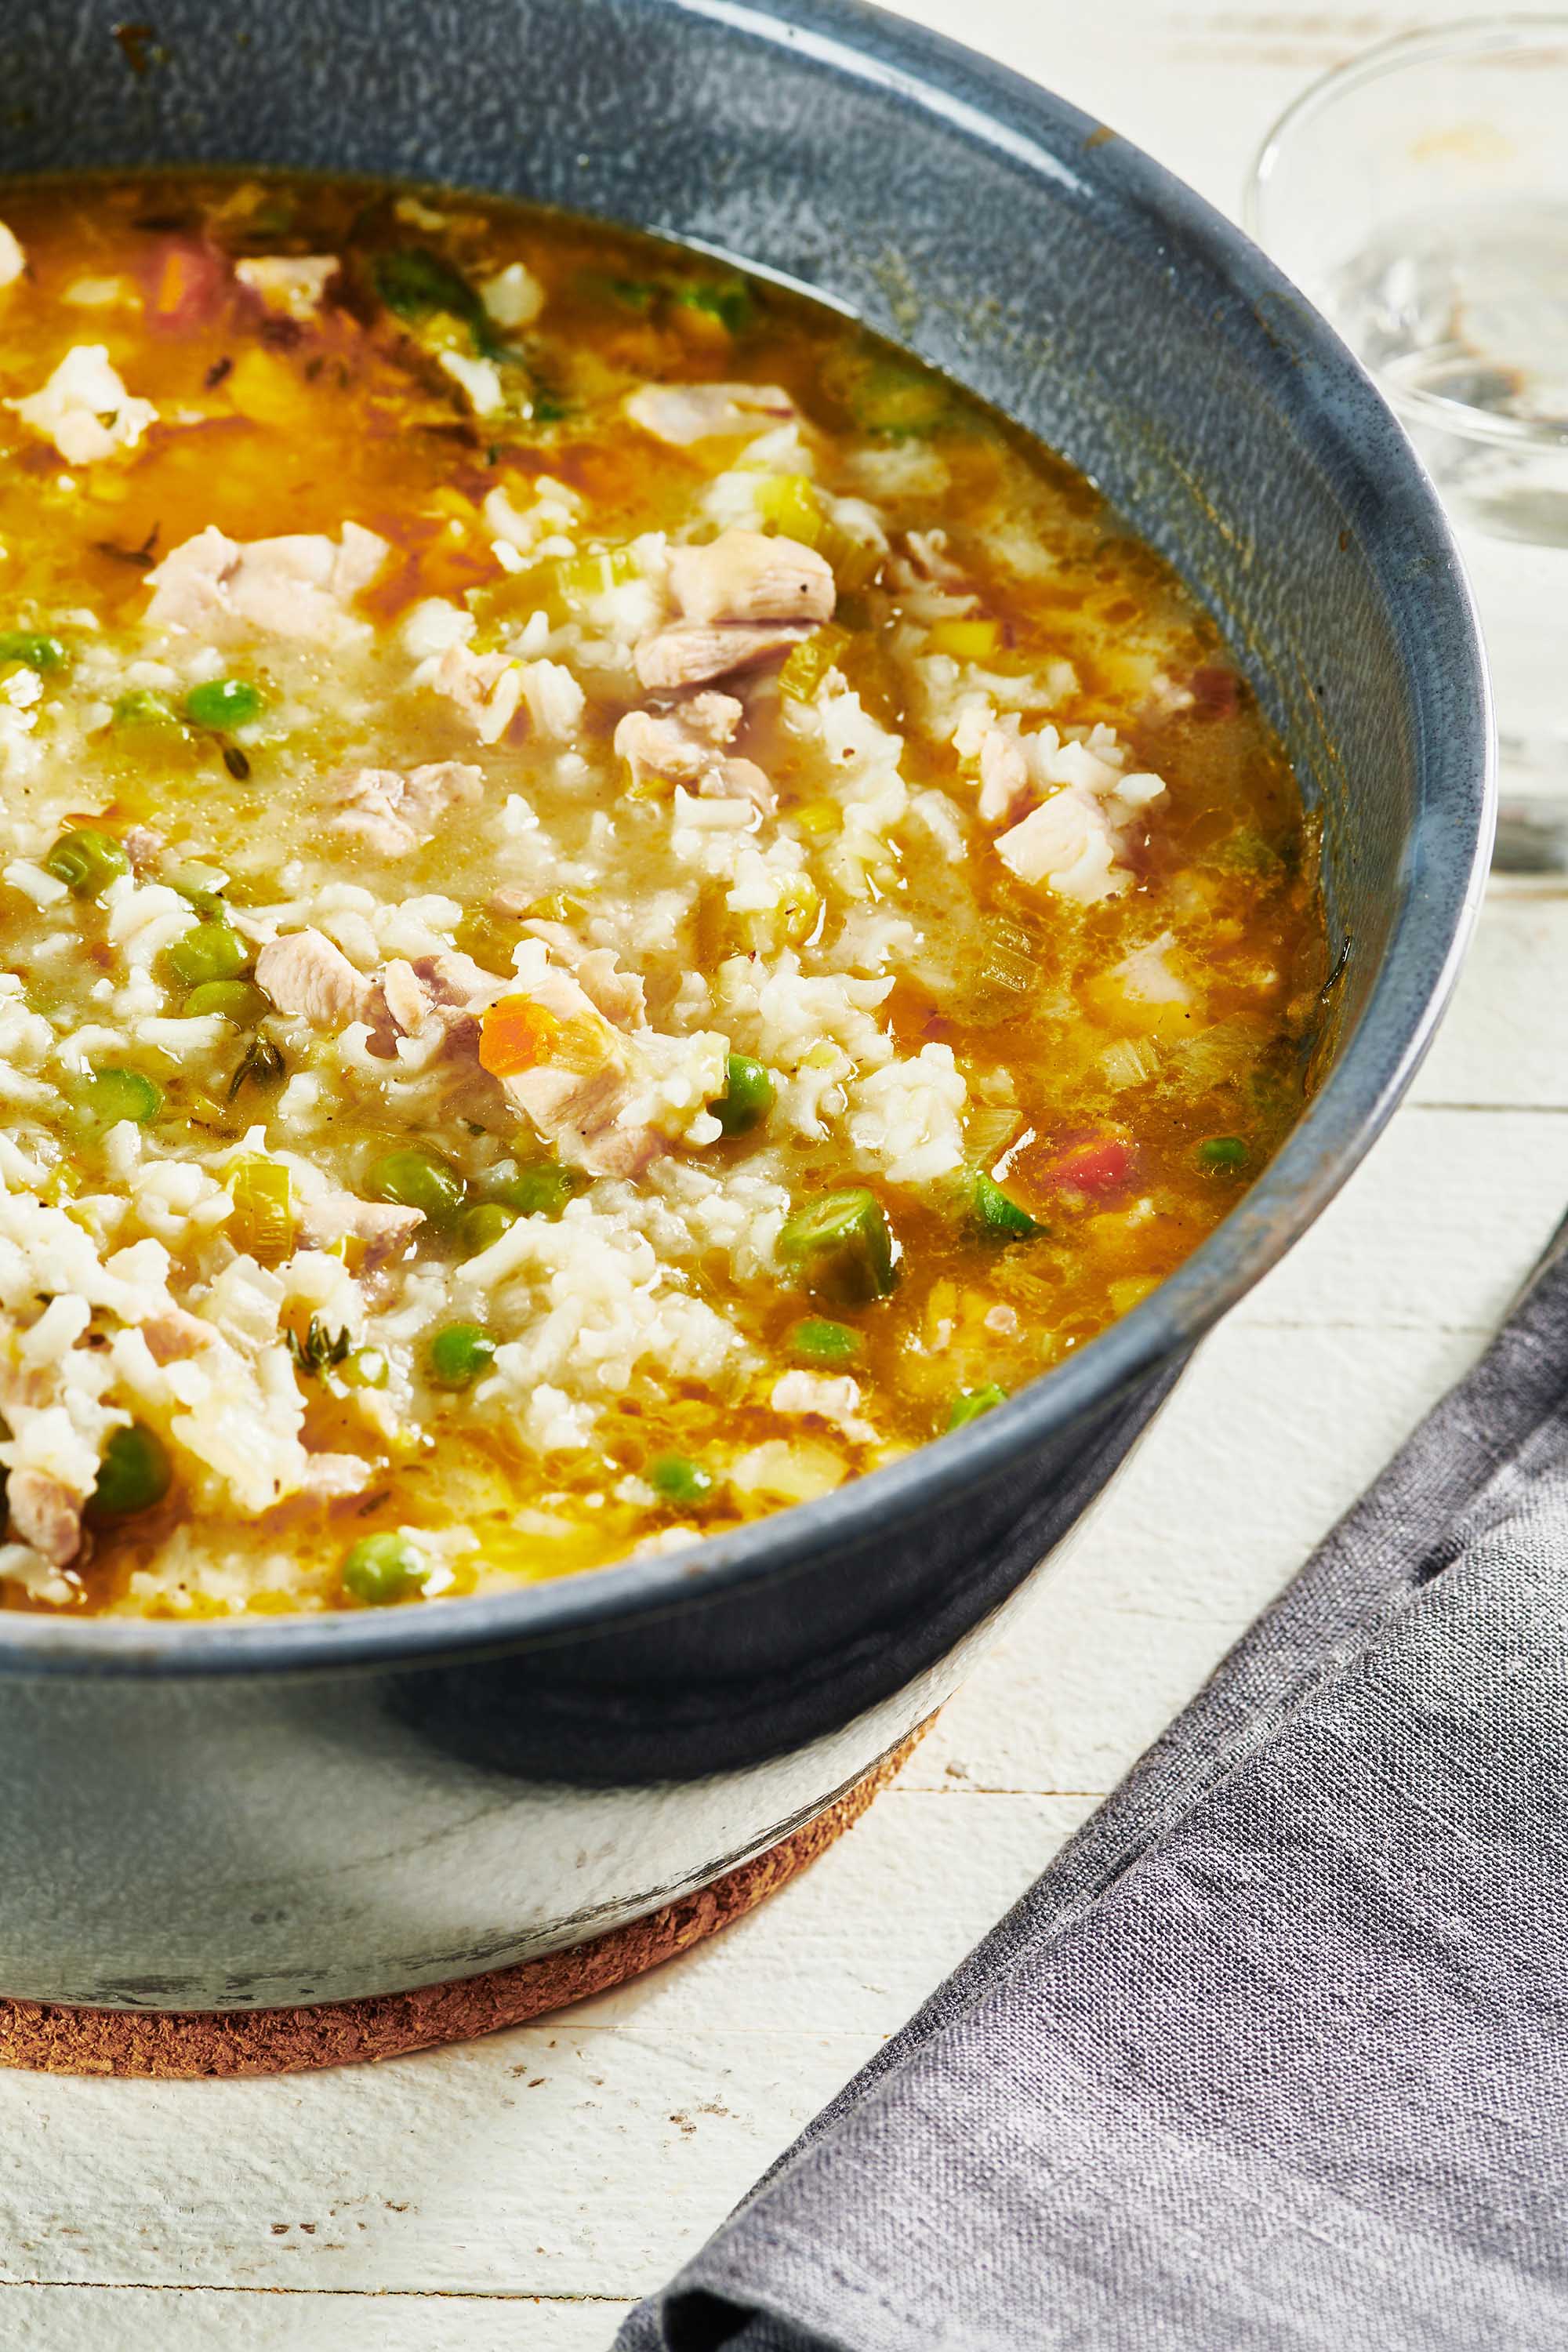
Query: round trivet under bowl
{"type": "Point", "coordinates": [53, 2040]}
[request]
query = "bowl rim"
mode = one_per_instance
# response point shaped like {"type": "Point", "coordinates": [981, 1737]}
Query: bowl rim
{"type": "Point", "coordinates": [1445, 863]}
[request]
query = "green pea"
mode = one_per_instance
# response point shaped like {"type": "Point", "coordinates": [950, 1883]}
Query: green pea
{"type": "Point", "coordinates": [224, 703]}
{"type": "Point", "coordinates": [381, 1569]}
{"type": "Point", "coordinates": [843, 1245]}
{"type": "Point", "coordinates": [210, 951]}
{"type": "Point", "coordinates": [239, 1001]}
{"type": "Point", "coordinates": [140, 706]}
{"type": "Point", "coordinates": [676, 1478]}
{"type": "Point", "coordinates": [747, 1097]}
{"type": "Point", "coordinates": [87, 861]}
{"type": "Point", "coordinates": [458, 1354]}
{"type": "Point", "coordinates": [969, 1403]}
{"type": "Point", "coordinates": [111, 1094]}
{"type": "Point", "coordinates": [412, 1179]}
{"type": "Point", "coordinates": [542, 1191]}
{"type": "Point", "coordinates": [135, 1474]}
{"type": "Point", "coordinates": [483, 1224]}
{"type": "Point", "coordinates": [1222, 1151]}
{"type": "Point", "coordinates": [817, 1342]}
{"type": "Point", "coordinates": [32, 650]}
{"type": "Point", "coordinates": [996, 1215]}
{"type": "Point", "coordinates": [367, 1367]}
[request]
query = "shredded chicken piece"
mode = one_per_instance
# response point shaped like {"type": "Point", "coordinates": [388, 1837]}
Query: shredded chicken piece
{"type": "Point", "coordinates": [405, 996]}
{"type": "Point", "coordinates": [46, 1514]}
{"type": "Point", "coordinates": [304, 972]}
{"type": "Point", "coordinates": [394, 813]}
{"type": "Point", "coordinates": [683, 413]}
{"type": "Point", "coordinates": [743, 599]}
{"type": "Point", "coordinates": [485, 687]}
{"type": "Point", "coordinates": [174, 1333]}
{"type": "Point", "coordinates": [301, 585]}
{"type": "Point", "coordinates": [141, 846]}
{"type": "Point", "coordinates": [292, 283]}
{"type": "Point", "coordinates": [618, 995]}
{"type": "Point", "coordinates": [341, 1216]}
{"type": "Point", "coordinates": [744, 575]}
{"type": "Point", "coordinates": [85, 410]}
{"type": "Point", "coordinates": [577, 1101]}
{"type": "Point", "coordinates": [328, 1475]}
{"type": "Point", "coordinates": [690, 655]}
{"type": "Point", "coordinates": [1007, 783]}
{"type": "Point", "coordinates": [684, 747]}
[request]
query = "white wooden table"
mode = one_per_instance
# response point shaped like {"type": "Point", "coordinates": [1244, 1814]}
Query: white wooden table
{"type": "Point", "coordinates": [520, 2192]}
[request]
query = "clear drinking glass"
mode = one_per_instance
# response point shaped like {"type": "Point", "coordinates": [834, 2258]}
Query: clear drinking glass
{"type": "Point", "coordinates": [1419, 197]}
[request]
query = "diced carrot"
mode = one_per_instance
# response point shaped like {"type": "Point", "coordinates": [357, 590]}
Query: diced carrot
{"type": "Point", "coordinates": [186, 281]}
{"type": "Point", "coordinates": [1099, 1168]}
{"type": "Point", "coordinates": [517, 1035]}
{"type": "Point", "coordinates": [1097, 1164]}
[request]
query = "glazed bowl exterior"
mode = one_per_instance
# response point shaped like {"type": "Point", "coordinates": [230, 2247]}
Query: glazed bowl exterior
{"type": "Point", "coordinates": [253, 1815]}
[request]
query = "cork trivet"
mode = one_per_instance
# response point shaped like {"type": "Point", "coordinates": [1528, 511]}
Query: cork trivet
{"type": "Point", "coordinates": [54, 2040]}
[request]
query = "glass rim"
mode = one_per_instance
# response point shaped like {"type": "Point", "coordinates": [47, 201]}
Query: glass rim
{"type": "Point", "coordinates": [1514, 30]}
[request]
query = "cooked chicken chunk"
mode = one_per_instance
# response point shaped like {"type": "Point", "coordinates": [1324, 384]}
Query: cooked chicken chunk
{"type": "Point", "coordinates": [394, 813]}
{"type": "Point", "coordinates": [684, 746]}
{"type": "Point", "coordinates": [301, 586]}
{"type": "Point", "coordinates": [85, 410]}
{"type": "Point", "coordinates": [46, 1515]}
{"type": "Point", "coordinates": [619, 995]}
{"type": "Point", "coordinates": [689, 655]}
{"type": "Point", "coordinates": [744, 575]}
{"type": "Point", "coordinates": [304, 974]}
{"type": "Point", "coordinates": [292, 283]}
{"type": "Point", "coordinates": [683, 413]}
{"type": "Point", "coordinates": [339, 1216]}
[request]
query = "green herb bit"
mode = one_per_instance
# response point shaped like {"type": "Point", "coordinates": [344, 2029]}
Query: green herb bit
{"type": "Point", "coordinates": [1226, 1151]}
{"type": "Point", "coordinates": [412, 1179]}
{"type": "Point", "coordinates": [318, 1351]}
{"type": "Point", "coordinates": [113, 1094]}
{"type": "Point", "coordinates": [383, 1568]}
{"type": "Point", "coordinates": [224, 704]}
{"type": "Point", "coordinates": [885, 396]}
{"type": "Point", "coordinates": [817, 1342]}
{"type": "Point", "coordinates": [211, 951]}
{"type": "Point", "coordinates": [969, 1403]}
{"type": "Point", "coordinates": [87, 861]}
{"type": "Point", "coordinates": [32, 650]}
{"type": "Point", "coordinates": [727, 299]}
{"type": "Point", "coordinates": [133, 1475]}
{"type": "Point", "coordinates": [636, 294]}
{"type": "Point", "coordinates": [998, 1215]}
{"type": "Point", "coordinates": [843, 1246]}
{"type": "Point", "coordinates": [676, 1478]}
{"type": "Point", "coordinates": [459, 1353]}
{"type": "Point", "coordinates": [542, 1191]}
{"type": "Point", "coordinates": [239, 1001]}
{"type": "Point", "coordinates": [142, 708]}
{"type": "Point", "coordinates": [748, 1096]}
{"type": "Point", "coordinates": [413, 282]}
{"type": "Point", "coordinates": [261, 1064]}
{"type": "Point", "coordinates": [481, 1227]}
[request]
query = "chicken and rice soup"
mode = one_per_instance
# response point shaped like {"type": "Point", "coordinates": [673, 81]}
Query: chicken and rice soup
{"type": "Point", "coordinates": [617, 905]}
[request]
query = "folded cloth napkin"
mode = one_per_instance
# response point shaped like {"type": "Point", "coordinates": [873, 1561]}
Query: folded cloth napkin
{"type": "Point", "coordinates": [1275, 2055]}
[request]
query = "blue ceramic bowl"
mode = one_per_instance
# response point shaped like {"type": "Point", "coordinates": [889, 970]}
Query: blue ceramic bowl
{"type": "Point", "coordinates": [219, 1816]}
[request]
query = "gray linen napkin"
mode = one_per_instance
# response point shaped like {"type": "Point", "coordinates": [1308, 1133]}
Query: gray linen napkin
{"type": "Point", "coordinates": [1275, 2055]}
